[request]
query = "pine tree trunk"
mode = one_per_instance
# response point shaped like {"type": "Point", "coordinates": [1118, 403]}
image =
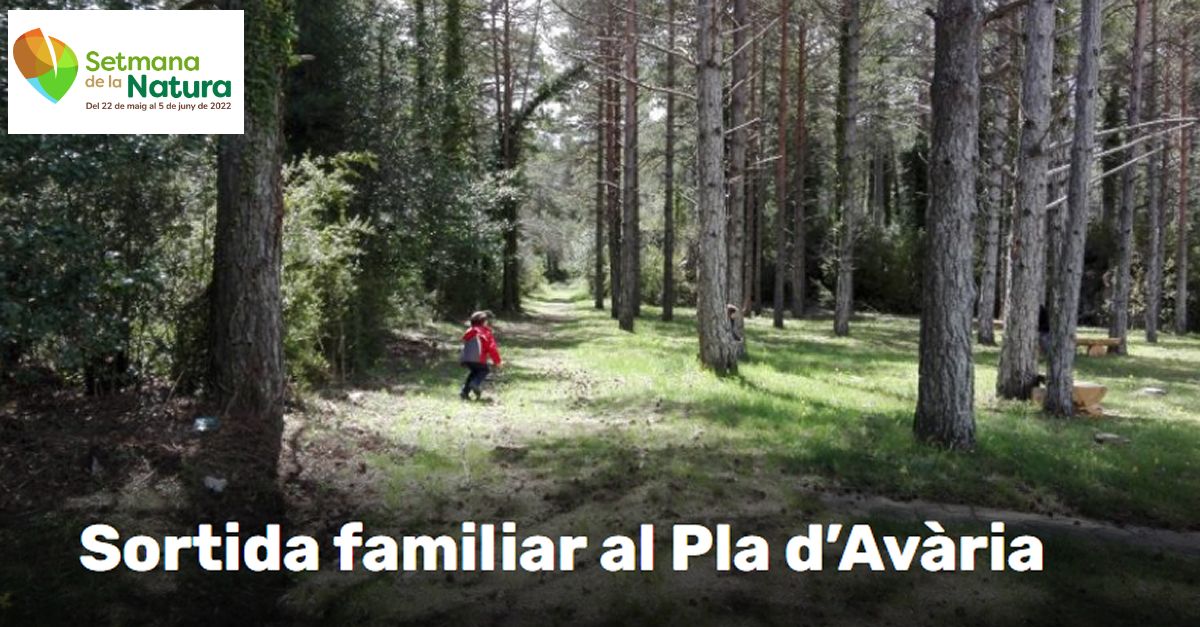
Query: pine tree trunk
{"type": "Point", "coordinates": [946, 390]}
{"type": "Point", "coordinates": [1182, 228]}
{"type": "Point", "coordinates": [1124, 277]}
{"type": "Point", "coordinates": [630, 283]}
{"type": "Point", "coordinates": [246, 317]}
{"type": "Point", "coordinates": [758, 187]}
{"type": "Point", "coordinates": [994, 167]}
{"type": "Point", "coordinates": [1154, 201]}
{"type": "Point", "coordinates": [614, 167]}
{"type": "Point", "coordinates": [1011, 207]}
{"type": "Point", "coordinates": [851, 41]}
{"type": "Point", "coordinates": [511, 284]}
{"type": "Point", "coordinates": [750, 259]}
{"type": "Point", "coordinates": [668, 299]}
{"type": "Point", "coordinates": [1018, 357]}
{"type": "Point", "coordinates": [799, 219]}
{"type": "Point", "coordinates": [1008, 224]}
{"type": "Point", "coordinates": [742, 31]}
{"type": "Point", "coordinates": [1071, 235]}
{"type": "Point", "coordinates": [781, 168]}
{"type": "Point", "coordinates": [601, 196]}
{"type": "Point", "coordinates": [718, 349]}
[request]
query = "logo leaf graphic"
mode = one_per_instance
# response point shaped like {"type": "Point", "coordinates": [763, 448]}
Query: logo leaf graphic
{"type": "Point", "coordinates": [47, 63]}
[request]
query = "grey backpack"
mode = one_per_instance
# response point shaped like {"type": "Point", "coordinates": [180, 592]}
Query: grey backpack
{"type": "Point", "coordinates": [472, 350]}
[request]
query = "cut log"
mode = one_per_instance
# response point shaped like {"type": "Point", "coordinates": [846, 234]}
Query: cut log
{"type": "Point", "coordinates": [1097, 346]}
{"type": "Point", "coordinates": [1086, 396]}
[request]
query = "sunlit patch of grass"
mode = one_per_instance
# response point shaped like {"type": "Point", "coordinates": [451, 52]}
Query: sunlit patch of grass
{"type": "Point", "coordinates": [585, 401]}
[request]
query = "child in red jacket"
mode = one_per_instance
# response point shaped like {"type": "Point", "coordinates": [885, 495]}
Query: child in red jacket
{"type": "Point", "coordinates": [478, 346]}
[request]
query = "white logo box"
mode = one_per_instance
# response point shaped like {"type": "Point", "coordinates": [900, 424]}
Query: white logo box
{"type": "Point", "coordinates": [216, 37]}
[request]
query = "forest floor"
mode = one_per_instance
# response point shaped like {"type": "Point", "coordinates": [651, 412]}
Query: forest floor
{"type": "Point", "coordinates": [591, 431]}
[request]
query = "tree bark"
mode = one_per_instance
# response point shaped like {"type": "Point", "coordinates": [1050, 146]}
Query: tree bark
{"type": "Point", "coordinates": [1071, 233]}
{"type": "Point", "coordinates": [851, 41]}
{"type": "Point", "coordinates": [601, 195]}
{"type": "Point", "coordinates": [758, 148]}
{"type": "Point", "coordinates": [614, 167]}
{"type": "Point", "coordinates": [946, 390]}
{"type": "Point", "coordinates": [668, 299]}
{"type": "Point", "coordinates": [781, 168]}
{"type": "Point", "coordinates": [1185, 149]}
{"type": "Point", "coordinates": [1014, 121]}
{"type": "Point", "coordinates": [630, 253]}
{"type": "Point", "coordinates": [1123, 285]}
{"type": "Point", "coordinates": [511, 283]}
{"type": "Point", "coordinates": [994, 167]}
{"type": "Point", "coordinates": [799, 219]}
{"type": "Point", "coordinates": [246, 317]}
{"type": "Point", "coordinates": [742, 31]}
{"type": "Point", "coordinates": [1018, 357]}
{"type": "Point", "coordinates": [718, 348]}
{"type": "Point", "coordinates": [1154, 200]}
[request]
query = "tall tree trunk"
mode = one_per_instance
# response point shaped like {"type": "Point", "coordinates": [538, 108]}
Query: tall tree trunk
{"type": "Point", "coordinates": [1124, 280]}
{"type": "Point", "coordinates": [718, 348]}
{"type": "Point", "coordinates": [758, 188]}
{"type": "Point", "coordinates": [630, 253]}
{"type": "Point", "coordinates": [799, 219]}
{"type": "Point", "coordinates": [1071, 233]}
{"type": "Point", "coordinates": [1154, 200]}
{"type": "Point", "coordinates": [1185, 149]}
{"type": "Point", "coordinates": [246, 316]}
{"type": "Point", "coordinates": [511, 284]}
{"type": "Point", "coordinates": [614, 166]}
{"type": "Point", "coordinates": [946, 389]}
{"type": "Point", "coordinates": [1011, 206]}
{"type": "Point", "coordinates": [742, 31]}
{"type": "Point", "coordinates": [1018, 357]}
{"type": "Point", "coordinates": [994, 167]}
{"type": "Point", "coordinates": [851, 41]}
{"type": "Point", "coordinates": [668, 298]}
{"type": "Point", "coordinates": [781, 168]}
{"type": "Point", "coordinates": [601, 193]}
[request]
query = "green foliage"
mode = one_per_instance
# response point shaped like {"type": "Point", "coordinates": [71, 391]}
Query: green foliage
{"type": "Point", "coordinates": [270, 32]}
{"type": "Point", "coordinates": [888, 270]}
{"type": "Point", "coordinates": [915, 179]}
{"type": "Point", "coordinates": [91, 258]}
{"type": "Point", "coordinates": [322, 249]}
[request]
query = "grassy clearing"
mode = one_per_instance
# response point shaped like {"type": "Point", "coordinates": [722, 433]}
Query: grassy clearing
{"type": "Point", "coordinates": [591, 431]}
{"type": "Point", "coordinates": [807, 409]}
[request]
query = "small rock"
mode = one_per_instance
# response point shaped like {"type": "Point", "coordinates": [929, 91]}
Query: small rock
{"type": "Point", "coordinates": [215, 484]}
{"type": "Point", "coordinates": [1152, 392]}
{"type": "Point", "coordinates": [1111, 438]}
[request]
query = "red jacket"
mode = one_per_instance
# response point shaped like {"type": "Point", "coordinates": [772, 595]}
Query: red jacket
{"type": "Point", "coordinates": [487, 343]}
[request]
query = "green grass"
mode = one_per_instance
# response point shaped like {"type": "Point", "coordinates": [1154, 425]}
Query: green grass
{"type": "Point", "coordinates": [592, 431]}
{"type": "Point", "coordinates": [582, 399]}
